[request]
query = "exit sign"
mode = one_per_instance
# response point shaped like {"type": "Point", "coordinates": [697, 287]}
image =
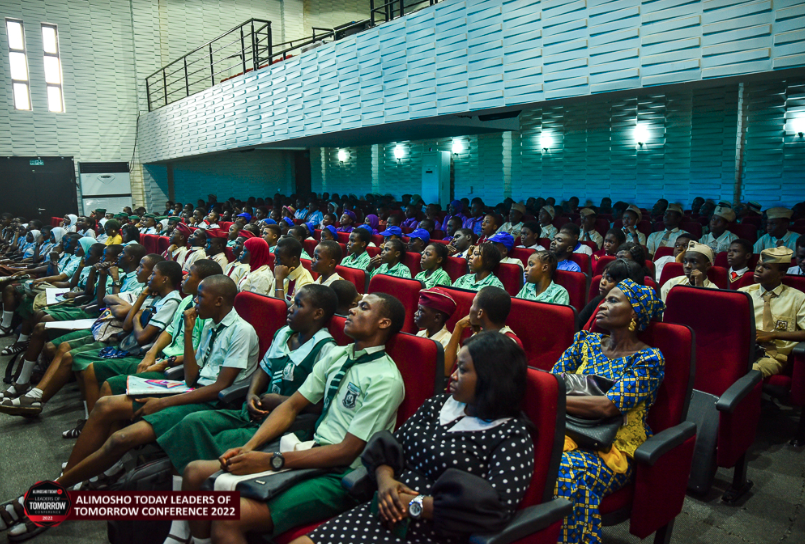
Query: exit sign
{"type": "Point", "coordinates": [37, 162]}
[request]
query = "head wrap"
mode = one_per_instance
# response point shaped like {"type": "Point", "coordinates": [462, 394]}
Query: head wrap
{"type": "Point", "coordinates": [422, 234]}
{"type": "Point", "coordinates": [438, 299]}
{"type": "Point", "coordinates": [779, 255]}
{"type": "Point", "coordinates": [351, 215]}
{"type": "Point", "coordinates": [245, 234]}
{"type": "Point", "coordinates": [392, 231]}
{"type": "Point", "coordinates": [644, 301]}
{"type": "Point", "coordinates": [503, 238]}
{"type": "Point", "coordinates": [86, 243]}
{"type": "Point", "coordinates": [779, 213]}
{"type": "Point", "coordinates": [184, 229]}
{"type": "Point", "coordinates": [635, 210]}
{"type": "Point", "coordinates": [705, 250]}
{"type": "Point", "coordinates": [374, 222]}
{"type": "Point", "coordinates": [457, 205]}
{"type": "Point", "coordinates": [333, 231]}
{"type": "Point", "coordinates": [727, 213]}
{"type": "Point", "coordinates": [259, 252]}
{"type": "Point", "coordinates": [58, 233]}
{"type": "Point", "coordinates": [73, 220]}
{"type": "Point", "coordinates": [217, 233]}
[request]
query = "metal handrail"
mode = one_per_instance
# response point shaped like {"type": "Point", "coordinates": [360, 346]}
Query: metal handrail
{"type": "Point", "coordinates": [395, 8]}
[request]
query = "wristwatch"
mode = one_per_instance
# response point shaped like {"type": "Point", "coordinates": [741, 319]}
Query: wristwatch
{"type": "Point", "coordinates": [415, 507]}
{"type": "Point", "coordinates": [277, 461]}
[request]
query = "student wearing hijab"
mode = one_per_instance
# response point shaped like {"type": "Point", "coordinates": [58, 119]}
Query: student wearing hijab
{"type": "Point", "coordinates": [260, 278]}
{"type": "Point", "coordinates": [373, 221]}
{"type": "Point", "coordinates": [454, 209]}
{"type": "Point", "coordinates": [69, 222]}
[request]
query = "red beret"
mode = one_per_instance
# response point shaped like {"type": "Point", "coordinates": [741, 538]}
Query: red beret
{"type": "Point", "coordinates": [245, 234]}
{"type": "Point", "coordinates": [438, 299]}
{"type": "Point", "coordinates": [217, 233]}
{"type": "Point", "coordinates": [184, 229]}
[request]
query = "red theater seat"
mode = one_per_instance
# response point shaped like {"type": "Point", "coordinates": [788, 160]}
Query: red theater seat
{"type": "Point", "coordinates": [511, 275]}
{"type": "Point", "coordinates": [456, 267]}
{"type": "Point", "coordinates": [601, 264]}
{"type": "Point", "coordinates": [747, 231]}
{"type": "Point", "coordinates": [727, 391]}
{"type": "Point", "coordinates": [310, 246]}
{"type": "Point", "coordinates": [355, 275]}
{"type": "Point", "coordinates": [151, 243]}
{"type": "Point", "coordinates": [522, 253]}
{"type": "Point", "coordinates": [413, 262]}
{"type": "Point", "coordinates": [269, 313]}
{"type": "Point", "coordinates": [163, 244]}
{"type": "Point", "coordinates": [577, 285]}
{"type": "Point", "coordinates": [583, 261]}
{"type": "Point", "coordinates": [343, 237]}
{"type": "Point", "coordinates": [666, 251]}
{"type": "Point", "coordinates": [407, 291]}
{"type": "Point", "coordinates": [694, 228]}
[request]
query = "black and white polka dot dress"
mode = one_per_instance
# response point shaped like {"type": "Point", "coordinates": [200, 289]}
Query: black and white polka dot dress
{"type": "Point", "coordinates": [500, 452]}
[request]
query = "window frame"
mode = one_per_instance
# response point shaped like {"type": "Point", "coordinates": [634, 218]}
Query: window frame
{"type": "Point", "coordinates": [24, 51]}
{"type": "Point", "coordinates": [57, 56]}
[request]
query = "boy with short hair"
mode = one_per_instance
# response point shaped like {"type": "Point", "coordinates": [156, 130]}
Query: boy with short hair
{"type": "Point", "coordinates": [289, 274]}
{"type": "Point", "coordinates": [197, 240]}
{"type": "Point", "coordinates": [529, 236]}
{"type": "Point", "coordinates": [539, 285]}
{"type": "Point", "coordinates": [300, 233]}
{"type": "Point", "coordinates": [799, 268]}
{"type": "Point", "coordinates": [698, 259]}
{"type": "Point", "coordinates": [588, 232]}
{"type": "Point", "coordinates": [434, 310]}
{"type": "Point", "coordinates": [779, 311]}
{"type": "Point", "coordinates": [453, 225]}
{"type": "Point", "coordinates": [738, 255]}
{"type": "Point", "coordinates": [489, 226]}
{"type": "Point", "coordinates": [573, 230]}
{"type": "Point", "coordinates": [562, 247]}
{"type": "Point", "coordinates": [356, 250]}
{"type": "Point", "coordinates": [462, 241]}
{"type": "Point", "coordinates": [326, 257]}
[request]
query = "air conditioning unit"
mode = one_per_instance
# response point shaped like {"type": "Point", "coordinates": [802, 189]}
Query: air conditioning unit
{"type": "Point", "coordinates": [104, 185]}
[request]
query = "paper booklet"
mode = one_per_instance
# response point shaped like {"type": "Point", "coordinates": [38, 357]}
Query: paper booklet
{"type": "Point", "coordinates": [72, 325]}
{"type": "Point", "coordinates": [136, 386]}
{"type": "Point", "coordinates": [55, 294]}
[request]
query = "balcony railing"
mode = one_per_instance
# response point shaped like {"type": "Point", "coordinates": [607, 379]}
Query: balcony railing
{"type": "Point", "coordinates": [383, 12]}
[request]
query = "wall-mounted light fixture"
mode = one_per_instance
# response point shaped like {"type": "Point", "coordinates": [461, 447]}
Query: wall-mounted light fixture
{"type": "Point", "coordinates": [458, 147]}
{"type": "Point", "coordinates": [343, 155]}
{"type": "Point", "coordinates": [399, 152]}
{"type": "Point", "coordinates": [546, 141]}
{"type": "Point", "coordinates": [798, 125]}
{"type": "Point", "coordinates": [641, 134]}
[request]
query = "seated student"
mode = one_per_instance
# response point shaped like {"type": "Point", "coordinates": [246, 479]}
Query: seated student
{"type": "Point", "coordinates": [612, 241]}
{"type": "Point", "coordinates": [351, 416]}
{"type": "Point", "coordinates": [300, 233]}
{"type": "Point", "coordinates": [454, 209]}
{"type": "Point", "coordinates": [463, 240]}
{"type": "Point", "coordinates": [112, 230]}
{"type": "Point", "coordinates": [635, 252]}
{"type": "Point", "coordinates": [394, 220]}
{"type": "Point", "coordinates": [428, 225]}
{"type": "Point", "coordinates": [433, 258]}
{"type": "Point", "coordinates": [392, 233]}
{"type": "Point", "coordinates": [211, 221]}
{"type": "Point", "coordinates": [529, 236]}
{"type": "Point", "coordinates": [170, 225]}
{"type": "Point", "coordinates": [356, 250]}
{"type": "Point", "coordinates": [232, 235]}
{"type": "Point", "coordinates": [546, 215]}
{"type": "Point", "coordinates": [434, 310]}
{"type": "Point", "coordinates": [539, 284]}
{"type": "Point", "coordinates": [289, 274]}
{"type": "Point", "coordinates": [665, 238]}
{"type": "Point", "coordinates": [77, 356]}
{"type": "Point", "coordinates": [777, 233]}
{"type": "Point", "coordinates": [680, 245]}
{"type": "Point", "coordinates": [588, 232]}
{"type": "Point", "coordinates": [348, 296]}
{"type": "Point", "coordinates": [515, 223]}
{"type": "Point", "coordinates": [369, 229]}
{"type": "Point", "coordinates": [489, 226]}
{"type": "Point", "coordinates": [484, 260]}
{"type": "Point", "coordinates": [197, 239]}
{"type": "Point", "coordinates": [390, 261]}
{"type": "Point", "coordinates": [329, 233]}
{"type": "Point", "coordinates": [326, 257]}
{"type": "Point", "coordinates": [259, 279]}
{"type": "Point", "coordinates": [484, 408]}
{"type": "Point", "coordinates": [799, 268]}
{"type": "Point", "coordinates": [411, 216]}
{"type": "Point", "coordinates": [236, 269]}
{"type": "Point", "coordinates": [328, 220]}
{"type": "Point", "coordinates": [215, 248]}
{"type": "Point", "coordinates": [105, 378]}
{"type": "Point", "coordinates": [779, 311]}
{"type": "Point", "coordinates": [562, 247]}
{"type": "Point", "coordinates": [347, 221]}
{"type": "Point", "coordinates": [719, 238]}
{"type": "Point", "coordinates": [151, 226]}
{"type": "Point", "coordinates": [614, 273]}
{"type": "Point", "coordinates": [271, 233]}
{"type": "Point", "coordinates": [489, 311]}
{"type": "Point", "coordinates": [454, 224]}
{"type": "Point", "coordinates": [504, 242]}
{"type": "Point", "coordinates": [572, 230]}
{"type": "Point", "coordinates": [177, 250]}
{"type": "Point", "coordinates": [630, 218]}
{"type": "Point", "coordinates": [418, 239]}
{"type": "Point", "coordinates": [696, 262]}
{"type": "Point", "coordinates": [131, 234]}
{"type": "Point", "coordinates": [738, 255]}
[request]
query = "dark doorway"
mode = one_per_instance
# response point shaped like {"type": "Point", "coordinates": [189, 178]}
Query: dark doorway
{"type": "Point", "coordinates": [38, 187]}
{"type": "Point", "coordinates": [302, 171]}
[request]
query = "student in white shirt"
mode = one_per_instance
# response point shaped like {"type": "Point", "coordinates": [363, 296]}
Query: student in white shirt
{"type": "Point", "coordinates": [529, 236]}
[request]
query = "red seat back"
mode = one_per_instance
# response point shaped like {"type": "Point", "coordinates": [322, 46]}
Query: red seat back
{"type": "Point", "coordinates": [407, 291]}
{"type": "Point", "coordinates": [720, 362]}
{"type": "Point", "coordinates": [546, 330]}
{"type": "Point", "coordinates": [592, 292]}
{"type": "Point", "coordinates": [693, 227]}
{"type": "Point", "coordinates": [577, 285]}
{"type": "Point", "coordinates": [355, 275]}
{"type": "Point", "coordinates": [456, 267]}
{"type": "Point", "coordinates": [373, 251]}
{"type": "Point", "coordinates": [336, 328]}
{"type": "Point", "coordinates": [583, 260]}
{"type": "Point", "coordinates": [602, 263]}
{"type": "Point", "coordinates": [151, 243]}
{"type": "Point", "coordinates": [522, 253]}
{"type": "Point", "coordinates": [413, 262]}
{"type": "Point", "coordinates": [308, 265]}
{"type": "Point", "coordinates": [421, 363]}
{"type": "Point", "coordinates": [230, 256]}
{"type": "Point", "coordinates": [795, 282]}
{"type": "Point", "coordinates": [343, 237]}
{"type": "Point", "coordinates": [266, 314]}
{"type": "Point", "coordinates": [378, 239]}
{"type": "Point", "coordinates": [310, 246]}
{"type": "Point", "coordinates": [511, 275]}
{"type": "Point", "coordinates": [56, 221]}
{"type": "Point", "coordinates": [747, 231]}
{"type": "Point", "coordinates": [665, 251]}
{"type": "Point", "coordinates": [163, 244]}
{"type": "Point", "coordinates": [721, 260]}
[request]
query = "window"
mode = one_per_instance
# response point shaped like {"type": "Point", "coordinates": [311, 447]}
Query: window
{"type": "Point", "coordinates": [18, 61]}
{"type": "Point", "coordinates": [50, 44]}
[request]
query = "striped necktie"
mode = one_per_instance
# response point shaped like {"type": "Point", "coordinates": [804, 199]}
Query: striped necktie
{"type": "Point", "coordinates": [335, 383]}
{"type": "Point", "coordinates": [208, 349]}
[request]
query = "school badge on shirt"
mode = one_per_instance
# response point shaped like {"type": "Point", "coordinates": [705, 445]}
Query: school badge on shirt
{"type": "Point", "coordinates": [287, 372]}
{"type": "Point", "coordinates": [352, 396]}
{"type": "Point", "coordinates": [781, 325]}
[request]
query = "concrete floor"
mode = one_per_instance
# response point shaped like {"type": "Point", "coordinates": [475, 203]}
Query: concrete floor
{"type": "Point", "coordinates": [33, 449]}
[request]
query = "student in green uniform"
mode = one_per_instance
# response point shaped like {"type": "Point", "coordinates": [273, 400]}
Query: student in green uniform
{"type": "Point", "coordinates": [539, 285]}
{"type": "Point", "coordinates": [228, 352]}
{"type": "Point", "coordinates": [433, 258]}
{"type": "Point", "coordinates": [361, 389]}
{"type": "Point", "coordinates": [300, 232]}
{"type": "Point", "coordinates": [348, 296]}
{"type": "Point", "coordinates": [166, 352]}
{"type": "Point", "coordinates": [485, 258]}
{"type": "Point", "coordinates": [158, 302]}
{"type": "Point", "coordinates": [356, 250]}
{"type": "Point", "coordinates": [391, 257]}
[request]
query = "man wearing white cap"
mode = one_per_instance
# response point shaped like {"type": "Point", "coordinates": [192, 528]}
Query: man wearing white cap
{"type": "Point", "coordinates": [666, 238]}
{"type": "Point", "coordinates": [630, 219]}
{"type": "Point", "coordinates": [515, 223]}
{"type": "Point", "coordinates": [696, 262]}
{"type": "Point", "coordinates": [779, 311]}
{"type": "Point", "coordinates": [719, 238]}
{"type": "Point", "coordinates": [588, 232]}
{"type": "Point", "coordinates": [546, 215]}
{"type": "Point", "coordinates": [777, 233]}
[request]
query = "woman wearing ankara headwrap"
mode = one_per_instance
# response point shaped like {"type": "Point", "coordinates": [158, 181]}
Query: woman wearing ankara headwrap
{"type": "Point", "coordinates": [586, 476]}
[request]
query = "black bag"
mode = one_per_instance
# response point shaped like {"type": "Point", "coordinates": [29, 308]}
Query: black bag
{"type": "Point", "coordinates": [152, 476]}
{"type": "Point", "coordinates": [590, 434]}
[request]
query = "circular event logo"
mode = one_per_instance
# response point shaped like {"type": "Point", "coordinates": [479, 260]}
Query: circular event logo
{"type": "Point", "coordinates": [47, 504]}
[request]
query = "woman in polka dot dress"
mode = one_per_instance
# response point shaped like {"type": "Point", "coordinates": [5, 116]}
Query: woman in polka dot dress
{"type": "Point", "coordinates": [460, 465]}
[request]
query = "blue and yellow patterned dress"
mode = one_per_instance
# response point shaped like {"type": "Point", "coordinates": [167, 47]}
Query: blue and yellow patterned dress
{"type": "Point", "coordinates": [585, 477]}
